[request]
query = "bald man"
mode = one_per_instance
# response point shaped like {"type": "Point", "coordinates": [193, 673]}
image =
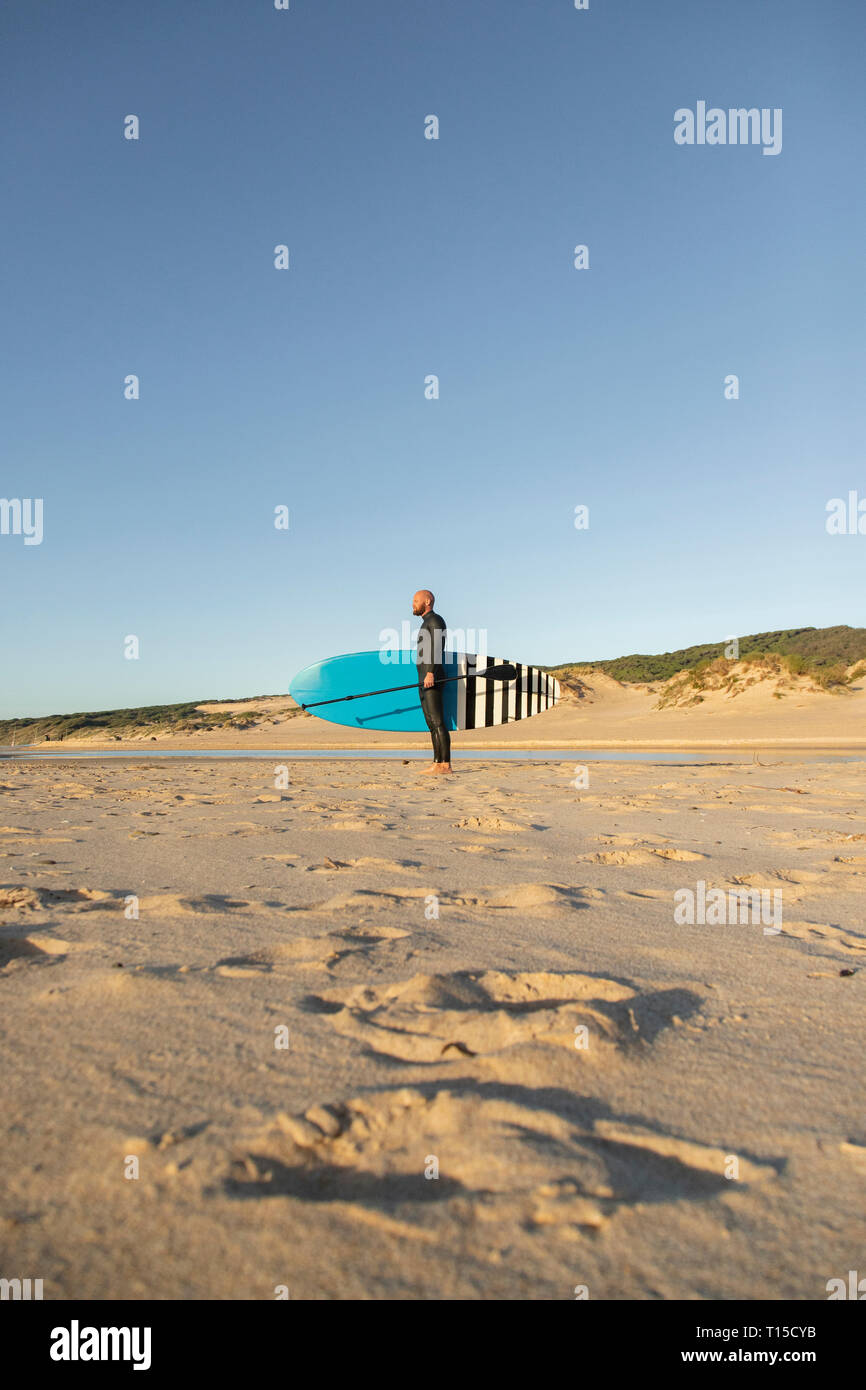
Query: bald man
{"type": "Point", "coordinates": [431, 648]}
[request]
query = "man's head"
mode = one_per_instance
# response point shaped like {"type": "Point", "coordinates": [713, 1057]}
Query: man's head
{"type": "Point", "coordinates": [422, 603]}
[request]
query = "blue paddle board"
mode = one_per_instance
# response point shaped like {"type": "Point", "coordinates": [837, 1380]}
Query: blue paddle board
{"type": "Point", "coordinates": [471, 703]}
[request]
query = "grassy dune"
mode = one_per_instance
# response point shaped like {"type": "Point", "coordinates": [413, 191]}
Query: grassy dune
{"type": "Point", "coordinates": [148, 720]}
{"type": "Point", "coordinates": [809, 649]}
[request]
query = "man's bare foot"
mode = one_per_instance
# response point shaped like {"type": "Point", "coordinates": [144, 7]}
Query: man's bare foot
{"type": "Point", "coordinates": [442, 767]}
{"type": "Point", "coordinates": [426, 771]}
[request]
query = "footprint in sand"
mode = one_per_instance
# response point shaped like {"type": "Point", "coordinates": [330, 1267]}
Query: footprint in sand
{"type": "Point", "coordinates": [435, 1018]}
{"type": "Point", "coordinates": [628, 841]}
{"type": "Point", "coordinates": [15, 898]}
{"type": "Point", "coordinates": [174, 904]}
{"type": "Point", "coordinates": [34, 948]}
{"type": "Point", "coordinates": [490, 848]}
{"type": "Point", "coordinates": [492, 823]}
{"type": "Point", "coordinates": [368, 821]}
{"type": "Point", "coordinates": [367, 865]}
{"type": "Point", "coordinates": [368, 898]}
{"type": "Point", "coordinates": [661, 894]}
{"type": "Point", "coordinates": [640, 856]}
{"type": "Point", "coordinates": [529, 897]}
{"type": "Point", "coordinates": [324, 951]}
{"type": "Point", "coordinates": [797, 884]}
{"type": "Point", "coordinates": [516, 1160]}
{"type": "Point", "coordinates": [366, 825]}
{"type": "Point", "coordinates": [241, 830]}
{"type": "Point", "coordinates": [829, 935]}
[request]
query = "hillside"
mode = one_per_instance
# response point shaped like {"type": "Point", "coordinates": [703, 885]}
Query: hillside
{"type": "Point", "coordinates": [818, 648]}
{"type": "Point", "coordinates": [150, 721]}
{"type": "Point", "coordinates": [783, 676]}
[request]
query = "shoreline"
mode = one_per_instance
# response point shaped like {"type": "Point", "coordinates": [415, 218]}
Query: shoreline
{"type": "Point", "coordinates": [814, 745]}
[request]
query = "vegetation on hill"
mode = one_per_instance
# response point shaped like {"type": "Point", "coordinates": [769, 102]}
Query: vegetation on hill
{"type": "Point", "coordinates": [107, 725]}
{"type": "Point", "coordinates": [790, 673]}
{"type": "Point", "coordinates": [818, 649]}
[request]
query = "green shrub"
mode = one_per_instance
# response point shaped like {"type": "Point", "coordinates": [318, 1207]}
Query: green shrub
{"type": "Point", "coordinates": [819, 648]}
{"type": "Point", "coordinates": [797, 664]}
{"type": "Point", "coordinates": [829, 676]}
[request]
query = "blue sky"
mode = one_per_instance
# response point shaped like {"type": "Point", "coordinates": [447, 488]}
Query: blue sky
{"type": "Point", "coordinates": [411, 257]}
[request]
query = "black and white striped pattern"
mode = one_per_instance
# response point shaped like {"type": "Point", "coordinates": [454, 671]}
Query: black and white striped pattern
{"type": "Point", "coordinates": [483, 704]}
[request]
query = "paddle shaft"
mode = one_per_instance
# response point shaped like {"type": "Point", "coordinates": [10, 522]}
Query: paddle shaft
{"type": "Point", "coordinates": [391, 689]}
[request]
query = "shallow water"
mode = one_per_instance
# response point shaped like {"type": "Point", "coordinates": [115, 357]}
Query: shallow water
{"type": "Point", "coordinates": [576, 755]}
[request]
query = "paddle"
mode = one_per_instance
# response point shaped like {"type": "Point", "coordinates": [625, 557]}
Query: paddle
{"type": "Point", "coordinates": [493, 673]}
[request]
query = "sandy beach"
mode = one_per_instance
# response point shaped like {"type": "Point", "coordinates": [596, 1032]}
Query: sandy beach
{"type": "Point", "coordinates": [365, 1037]}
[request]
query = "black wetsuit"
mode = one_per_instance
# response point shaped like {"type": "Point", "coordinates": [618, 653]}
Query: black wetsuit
{"type": "Point", "coordinates": [431, 648]}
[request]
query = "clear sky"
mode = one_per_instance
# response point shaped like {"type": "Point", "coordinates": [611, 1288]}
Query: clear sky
{"type": "Point", "coordinates": [410, 257]}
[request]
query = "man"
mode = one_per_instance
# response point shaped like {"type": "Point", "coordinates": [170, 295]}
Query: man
{"type": "Point", "coordinates": [431, 648]}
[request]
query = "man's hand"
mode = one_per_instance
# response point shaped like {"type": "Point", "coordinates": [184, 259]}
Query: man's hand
{"type": "Point", "coordinates": [428, 680]}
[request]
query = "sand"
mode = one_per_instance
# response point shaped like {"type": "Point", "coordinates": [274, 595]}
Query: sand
{"type": "Point", "coordinates": [611, 1099]}
{"type": "Point", "coordinates": [772, 712]}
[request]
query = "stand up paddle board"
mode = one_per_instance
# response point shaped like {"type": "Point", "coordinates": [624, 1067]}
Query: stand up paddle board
{"type": "Point", "coordinates": [471, 702]}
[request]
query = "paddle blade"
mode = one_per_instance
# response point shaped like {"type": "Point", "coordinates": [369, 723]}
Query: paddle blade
{"type": "Point", "coordinates": [498, 673]}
